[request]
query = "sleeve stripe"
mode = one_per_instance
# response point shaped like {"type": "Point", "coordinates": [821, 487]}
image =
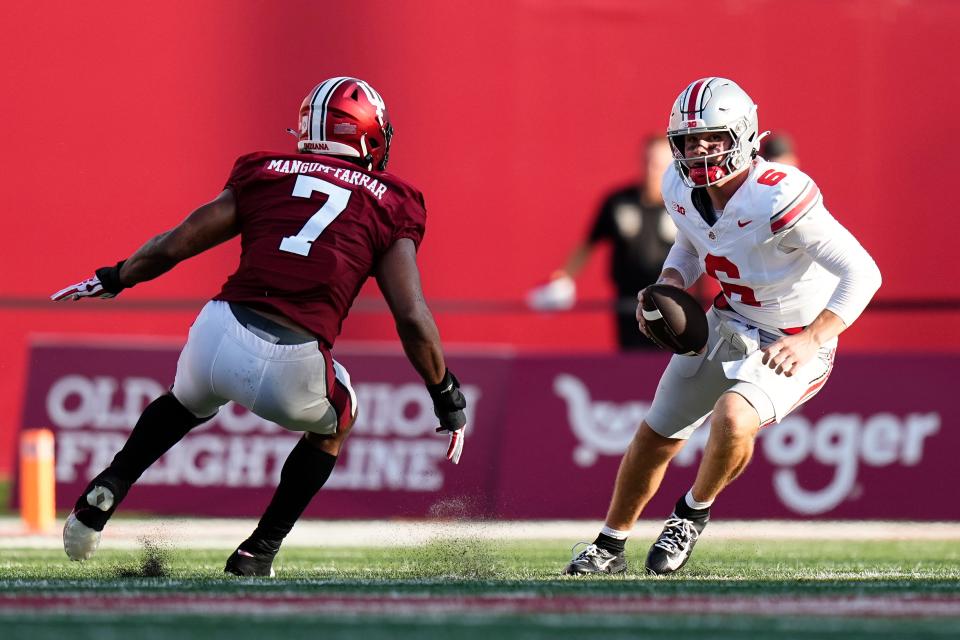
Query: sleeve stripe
{"type": "Point", "coordinates": [795, 212]}
{"type": "Point", "coordinates": [787, 208]}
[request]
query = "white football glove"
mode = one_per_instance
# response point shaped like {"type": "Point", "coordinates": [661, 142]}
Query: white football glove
{"type": "Point", "coordinates": [105, 283]}
{"type": "Point", "coordinates": [448, 405]}
{"type": "Point", "coordinates": [89, 288]}
{"type": "Point", "coordinates": [455, 447]}
{"type": "Point", "coordinates": [559, 294]}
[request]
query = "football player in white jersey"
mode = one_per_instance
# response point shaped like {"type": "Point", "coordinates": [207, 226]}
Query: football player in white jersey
{"type": "Point", "coordinates": [792, 280]}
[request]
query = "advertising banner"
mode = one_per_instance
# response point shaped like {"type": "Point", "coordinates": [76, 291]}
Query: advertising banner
{"type": "Point", "coordinates": [546, 435]}
{"type": "Point", "coordinates": [394, 466]}
{"type": "Point", "coordinates": [874, 443]}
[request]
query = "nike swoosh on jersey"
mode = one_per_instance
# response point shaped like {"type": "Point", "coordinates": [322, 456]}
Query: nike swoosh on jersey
{"type": "Point", "coordinates": [742, 224]}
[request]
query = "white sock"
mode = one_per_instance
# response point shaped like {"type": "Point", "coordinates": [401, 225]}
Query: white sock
{"type": "Point", "coordinates": [614, 533]}
{"type": "Point", "coordinates": [693, 504]}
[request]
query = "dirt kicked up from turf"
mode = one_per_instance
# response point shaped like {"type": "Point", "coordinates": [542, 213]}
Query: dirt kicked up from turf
{"type": "Point", "coordinates": [154, 560]}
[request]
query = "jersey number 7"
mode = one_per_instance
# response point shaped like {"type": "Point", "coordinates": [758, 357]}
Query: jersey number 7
{"type": "Point", "coordinates": [337, 199]}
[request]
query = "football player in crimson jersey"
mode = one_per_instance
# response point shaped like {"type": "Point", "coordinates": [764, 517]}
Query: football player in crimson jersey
{"type": "Point", "coordinates": [792, 279]}
{"type": "Point", "coordinates": [313, 226]}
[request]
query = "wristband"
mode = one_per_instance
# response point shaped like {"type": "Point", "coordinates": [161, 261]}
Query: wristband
{"type": "Point", "coordinates": [110, 278]}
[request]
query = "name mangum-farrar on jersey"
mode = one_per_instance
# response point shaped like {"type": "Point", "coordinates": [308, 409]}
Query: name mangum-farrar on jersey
{"type": "Point", "coordinates": [358, 178]}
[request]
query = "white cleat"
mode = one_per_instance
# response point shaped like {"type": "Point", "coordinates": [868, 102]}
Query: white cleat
{"type": "Point", "coordinates": [80, 541]}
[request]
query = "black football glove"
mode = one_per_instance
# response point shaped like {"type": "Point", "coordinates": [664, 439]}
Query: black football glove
{"type": "Point", "coordinates": [104, 284]}
{"type": "Point", "coordinates": [448, 405]}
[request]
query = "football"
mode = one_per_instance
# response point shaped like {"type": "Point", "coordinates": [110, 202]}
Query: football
{"type": "Point", "coordinates": [675, 319]}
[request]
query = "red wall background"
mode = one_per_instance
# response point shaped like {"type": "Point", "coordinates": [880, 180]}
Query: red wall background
{"type": "Point", "coordinates": [512, 117]}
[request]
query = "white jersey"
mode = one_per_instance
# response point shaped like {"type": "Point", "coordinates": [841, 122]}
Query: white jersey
{"type": "Point", "coordinates": [779, 255]}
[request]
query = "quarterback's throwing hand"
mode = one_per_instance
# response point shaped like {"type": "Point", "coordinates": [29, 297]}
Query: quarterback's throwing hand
{"type": "Point", "coordinates": [105, 283]}
{"type": "Point", "coordinates": [448, 405]}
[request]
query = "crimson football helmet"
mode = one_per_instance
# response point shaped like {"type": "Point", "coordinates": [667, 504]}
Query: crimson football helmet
{"type": "Point", "coordinates": [346, 117]}
{"type": "Point", "coordinates": [714, 104]}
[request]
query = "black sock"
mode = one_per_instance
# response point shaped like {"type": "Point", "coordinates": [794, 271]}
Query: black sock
{"type": "Point", "coordinates": [304, 473]}
{"type": "Point", "coordinates": [611, 544]}
{"type": "Point", "coordinates": [161, 425]}
{"type": "Point", "coordinates": [683, 510]}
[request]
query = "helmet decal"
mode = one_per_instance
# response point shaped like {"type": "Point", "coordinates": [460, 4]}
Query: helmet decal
{"type": "Point", "coordinates": [374, 99]}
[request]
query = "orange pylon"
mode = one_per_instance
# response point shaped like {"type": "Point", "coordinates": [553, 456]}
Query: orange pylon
{"type": "Point", "coordinates": [37, 480]}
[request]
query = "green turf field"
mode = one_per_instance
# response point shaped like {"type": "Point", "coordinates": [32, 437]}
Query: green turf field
{"type": "Point", "coordinates": [763, 589]}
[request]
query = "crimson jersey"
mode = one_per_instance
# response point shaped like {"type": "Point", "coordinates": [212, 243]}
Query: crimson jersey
{"type": "Point", "coordinates": [312, 229]}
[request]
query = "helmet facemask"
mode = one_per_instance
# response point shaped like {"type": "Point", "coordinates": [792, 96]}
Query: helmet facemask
{"type": "Point", "coordinates": [373, 145]}
{"type": "Point", "coordinates": [713, 105]}
{"type": "Point", "coordinates": [712, 168]}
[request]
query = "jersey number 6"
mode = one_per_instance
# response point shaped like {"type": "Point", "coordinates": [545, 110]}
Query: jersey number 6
{"type": "Point", "coordinates": [771, 177]}
{"type": "Point", "coordinates": [337, 199]}
{"type": "Point", "coordinates": [715, 265]}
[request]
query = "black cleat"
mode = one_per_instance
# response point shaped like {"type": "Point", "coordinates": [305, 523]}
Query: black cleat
{"type": "Point", "coordinates": [675, 544]}
{"type": "Point", "coordinates": [245, 563]}
{"type": "Point", "coordinates": [593, 560]}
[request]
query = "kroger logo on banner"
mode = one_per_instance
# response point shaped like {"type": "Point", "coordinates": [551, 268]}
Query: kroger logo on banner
{"type": "Point", "coordinates": [392, 446]}
{"type": "Point", "coordinates": [844, 441]}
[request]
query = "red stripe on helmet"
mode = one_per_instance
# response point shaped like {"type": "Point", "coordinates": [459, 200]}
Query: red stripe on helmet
{"type": "Point", "coordinates": [692, 100]}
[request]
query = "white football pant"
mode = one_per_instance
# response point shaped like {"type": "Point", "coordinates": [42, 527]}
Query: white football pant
{"type": "Point", "coordinates": [299, 386]}
{"type": "Point", "coordinates": [691, 385]}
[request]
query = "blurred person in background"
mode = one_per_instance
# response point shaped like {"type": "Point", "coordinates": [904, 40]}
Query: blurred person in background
{"type": "Point", "coordinates": [313, 226]}
{"type": "Point", "coordinates": [778, 147]}
{"type": "Point", "coordinates": [792, 278]}
{"type": "Point", "coordinates": [633, 219]}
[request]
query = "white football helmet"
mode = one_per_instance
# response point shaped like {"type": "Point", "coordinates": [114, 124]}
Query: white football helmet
{"type": "Point", "coordinates": [714, 104]}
